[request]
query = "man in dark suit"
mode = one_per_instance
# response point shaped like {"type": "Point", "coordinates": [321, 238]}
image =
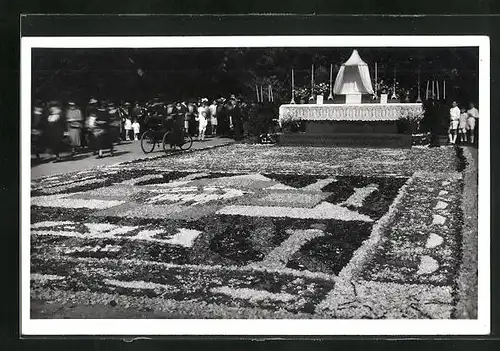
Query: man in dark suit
{"type": "Point", "coordinates": [178, 116]}
{"type": "Point", "coordinates": [431, 121]}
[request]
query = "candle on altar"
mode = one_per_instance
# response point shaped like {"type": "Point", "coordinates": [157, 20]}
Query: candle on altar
{"type": "Point", "coordinates": [433, 93]}
{"type": "Point", "coordinates": [444, 89]}
{"type": "Point", "coordinates": [261, 94]}
{"type": "Point", "coordinates": [312, 79]}
{"type": "Point", "coordinates": [376, 81]}
{"type": "Point", "coordinates": [269, 92]}
{"type": "Point", "coordinates": [427, 91]}
{"type": "Point", "coordinates": [331, 75]}
{"type": "Point", "coordinates": [330, 96]}
{"type": "Point", "coordinates": [418, 85]}
{"type": "Point", "coordinates": [437, 89]}
{"type": "Point", "coordinates": [257, 91]}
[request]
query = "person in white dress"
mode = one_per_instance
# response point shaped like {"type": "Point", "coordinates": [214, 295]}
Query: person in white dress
{"type": "Point", "coordinates": [202, 119]}
{"type": "Point", "coordinates": [462, 126]}
{"type": "Point", "coordinates": [137, 129]}
{"type": "Point", "coordinates": [472, 118]}
{"type": "Point", "coordinates": [454, 118]}
{"type": "Point", "coordinates": [128, 127]}
{"type": "Point", "coordinates": [213, 117]}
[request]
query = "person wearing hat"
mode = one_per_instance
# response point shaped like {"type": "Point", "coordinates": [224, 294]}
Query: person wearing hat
{"type": "Point", "coordinates": [222, 117]}
{"type": "Point", "coordinates": [189, 119]}
{"type": "Point", "coordinates": [37, 128]}
{"type": "Point", "coordinates": [90, 115]}
{"type": "Point", "coordinates": [178, 114]}
{"type": "Point", "coordinates": [235, 118]}
{"type": "Point", "coordinates": [101, 131]}
{"type": "Point", "coordinates": [114, 123]}
{"type": "Point", "coordinates": [124, 111]}
{"type": "Point", "coordinates": [56, 128]}
{"type": "Point", "coordinates": [90, 126]}
{"type": "Point", "coordinates": [213, 117]}
{"type": "Point", "coordinates": [74, 118]}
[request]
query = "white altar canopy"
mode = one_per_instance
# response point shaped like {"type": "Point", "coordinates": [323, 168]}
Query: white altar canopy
{"type": "Point", "coordinates": [353, 77]}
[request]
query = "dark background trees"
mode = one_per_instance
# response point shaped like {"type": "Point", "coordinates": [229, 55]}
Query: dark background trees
{"type": "Point", "coordinates": [139, 74]}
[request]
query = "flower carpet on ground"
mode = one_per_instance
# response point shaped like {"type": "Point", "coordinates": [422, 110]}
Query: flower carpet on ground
{"type": "Point", "coordinates": [255, 232]}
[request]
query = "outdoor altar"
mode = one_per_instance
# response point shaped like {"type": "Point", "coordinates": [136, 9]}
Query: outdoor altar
{"type": "Point", "coordinates": [352, 123]}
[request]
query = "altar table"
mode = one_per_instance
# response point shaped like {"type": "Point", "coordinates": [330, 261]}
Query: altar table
{"type": "Point", "coordinates": [349, 112]}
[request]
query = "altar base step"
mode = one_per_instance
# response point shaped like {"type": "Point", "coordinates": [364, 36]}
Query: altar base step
{"type": "Point", "coordinates": [381, 140]}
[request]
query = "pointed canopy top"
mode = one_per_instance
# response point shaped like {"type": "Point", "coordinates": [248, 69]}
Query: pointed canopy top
{"type": "Point", "coordinates": [354, 60]}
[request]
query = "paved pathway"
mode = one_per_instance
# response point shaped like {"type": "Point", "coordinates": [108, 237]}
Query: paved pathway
{"type": "Point", "coordinates": [127, 151]}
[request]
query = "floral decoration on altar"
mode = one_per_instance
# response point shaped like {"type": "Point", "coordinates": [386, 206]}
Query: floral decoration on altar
{"type": "Point", "coordinates": [304, 93]}
{"type": "Point", "coordinates": [322, 89]}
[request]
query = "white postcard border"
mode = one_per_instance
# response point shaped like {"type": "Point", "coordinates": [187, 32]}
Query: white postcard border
{"type": "Point", "coordinates": [186, 327]}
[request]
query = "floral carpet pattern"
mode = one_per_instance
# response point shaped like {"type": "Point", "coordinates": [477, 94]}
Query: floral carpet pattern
{"type": "Point", "coordinates": [255, 232]}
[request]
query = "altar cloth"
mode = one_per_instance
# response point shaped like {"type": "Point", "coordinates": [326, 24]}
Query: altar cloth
{"type": "Point", "coordinates": [349, 112]}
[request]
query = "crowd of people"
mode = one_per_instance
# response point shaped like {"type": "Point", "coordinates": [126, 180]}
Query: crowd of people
{"type": "Point", "coordinates": [102, 124]}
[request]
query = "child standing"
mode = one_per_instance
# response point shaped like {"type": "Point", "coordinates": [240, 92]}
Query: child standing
{"type": "Point", "coordinates": [454, 117]}
{"type": "Point", "coordinates": [128, 128]}
{"type": "Point", "coordinates": [472, 118]}
{"type": "Point", "coordinates": [137, 129]}
{"type": "Point", "coordinates": [203, 113]}
{"type": "Point", "coordinates": [462, 126]}
{"type": "Point", "coordinates": [213, 117]}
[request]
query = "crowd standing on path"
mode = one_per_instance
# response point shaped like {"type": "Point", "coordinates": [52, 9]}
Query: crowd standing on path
{"type": "Point", "coordinates": [102, 124]}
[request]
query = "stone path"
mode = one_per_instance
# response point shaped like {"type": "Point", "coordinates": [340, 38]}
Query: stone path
{"type": "Point", "coordinates": [126, 151]}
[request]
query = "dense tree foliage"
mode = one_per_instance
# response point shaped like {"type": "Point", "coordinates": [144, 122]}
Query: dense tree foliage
{"type": "Point", "coordinates": [138, 74]}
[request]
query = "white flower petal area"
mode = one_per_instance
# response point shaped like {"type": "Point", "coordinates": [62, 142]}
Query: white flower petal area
{"type": "Point", "coordinates": [140, 284]}
{"type": "Point", "coordinates": [252, 294]}
{"type": "Point", "coordinates": [62, 200]}
{"type": "Point", "coordinates": [324, 210]}
{"type": "Point", "coordinates": [292, 199]}
{"type": "Point", "coordinates": [192, 195]}
{"type": "Point", "coordinates": [254, 180]}
{"type": "Point", "coordinates": [98, 248]}
{"type": "Point", "coordinates": [281, 187]}
{"type": "Point", "coordinates": [441, 205]}
{"type": "Point", "coordinates": [433, 241]}
{"type": "Point", "coordinates": [438, 219]}
{"type": "Point", "coordinates": [279, 257]}
{"type": "Point", "coordinates": [51, 224]}
{"type": "Point", "coordinates": [360, 194]}
{"type": "Point", "coordinates": [427, 265]}
{"type": "Point", "coordinates": [45, 277]}
{"type": "Point", "coordinates": [184, 237]}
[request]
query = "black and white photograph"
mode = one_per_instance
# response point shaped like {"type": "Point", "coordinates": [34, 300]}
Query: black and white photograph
{"type": "Point", "coordinates": [270, 185]}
